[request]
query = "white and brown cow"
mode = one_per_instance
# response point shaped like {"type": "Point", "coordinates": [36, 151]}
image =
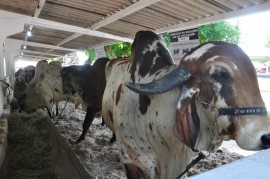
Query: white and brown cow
{"type": "Point", "coordinates": [176, 111]}
{"type": "Point", "coordinates": [45, 89]}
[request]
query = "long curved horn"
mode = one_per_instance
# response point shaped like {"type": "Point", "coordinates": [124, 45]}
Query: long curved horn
{"type": "Point", "coordinates": [175, 78]}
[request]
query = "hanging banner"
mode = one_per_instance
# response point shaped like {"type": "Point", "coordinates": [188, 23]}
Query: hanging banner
{"type": "Point", "coordinates": [100, 52]}
{"type": "Point", "coordinates": [182, 42]}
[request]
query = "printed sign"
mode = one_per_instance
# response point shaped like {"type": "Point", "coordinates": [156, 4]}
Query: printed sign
{"type": "Point", "coordinates": [182, 42]}
{"type": "Point", "coordinates": [100, 52]}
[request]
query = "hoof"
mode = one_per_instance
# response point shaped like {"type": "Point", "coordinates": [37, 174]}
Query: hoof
{"type": "Point", "coordinates": [113, 139]}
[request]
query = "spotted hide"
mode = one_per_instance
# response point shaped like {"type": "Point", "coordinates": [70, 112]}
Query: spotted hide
{"type": "Point", "coordinates": [89, 82]}
{"type": "Point", "coordinates": [170, 112]}
{"type": "Point", "coordinates": [45, 88]}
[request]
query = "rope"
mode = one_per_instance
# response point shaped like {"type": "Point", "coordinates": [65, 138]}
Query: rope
{"type": "Point", "coordinates": [64, 107]}
{"type": "Point", "coordinates": [6, 90]}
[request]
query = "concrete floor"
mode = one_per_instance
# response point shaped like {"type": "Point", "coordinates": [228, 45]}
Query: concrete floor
{"type": "Point", "coordinates": [255, 166]}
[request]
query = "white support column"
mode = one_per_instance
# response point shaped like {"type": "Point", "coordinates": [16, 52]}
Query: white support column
{"type": "Point", "coordinates": [2, 39]}
{"type": "Point", "coordinates": [1, 74]}
{"type": "Point", "coordinates": [12, 49]}
{"type": "Point", "coordinates": [10, 24]}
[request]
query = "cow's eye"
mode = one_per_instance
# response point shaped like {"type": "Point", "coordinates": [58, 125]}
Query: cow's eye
{"type": "Point", "coordinates": [222, 76]}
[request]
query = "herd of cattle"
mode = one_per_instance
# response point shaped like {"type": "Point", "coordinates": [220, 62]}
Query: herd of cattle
{"type": "Point", "coordinates": [162, 114]}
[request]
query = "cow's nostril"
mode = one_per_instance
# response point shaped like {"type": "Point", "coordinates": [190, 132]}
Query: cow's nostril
{"type": "Point", "coordinates": [265, 141]}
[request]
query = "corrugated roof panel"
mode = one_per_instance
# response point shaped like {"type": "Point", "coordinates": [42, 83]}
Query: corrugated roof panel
{"type": "Point", "coordinates": [47, 36]}
{"type": "Point", "coordinates": [228, 4]}
{"type": "Point", "coordinates": [86, 13]}
{"type": "Point", "coordinates": [26, 7]}
{"type": "Point", "coordinates": [124, 28]}
{"type": "Point", "coordinates": [39, 49]}
{"type": "Point", "coordinates": [20, 36]}
{"type": "Point", "coordinates": [60, 52]}
{"type": "Point", "coordinates": [242, 3]}
{"type": "Point", "coordinates": [83, 42]}
{"type": "Point", "coordinates": [69, 15]}
{"type": "Point", "coordinates": [204, 6]}
{"type": "Point", "coordinates": [173, 11]}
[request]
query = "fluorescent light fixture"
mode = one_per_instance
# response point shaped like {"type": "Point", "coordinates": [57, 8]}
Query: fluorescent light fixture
{"type": "Point", "coordinates": [24, 47]}
{"type": "Point", "coordinates": [29, 33]}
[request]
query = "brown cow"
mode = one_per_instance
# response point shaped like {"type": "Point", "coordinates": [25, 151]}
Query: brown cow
{"type": "Point", "coordinates": [176, 111]}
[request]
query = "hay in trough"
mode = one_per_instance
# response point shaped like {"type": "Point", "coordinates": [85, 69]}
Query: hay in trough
{"type": "Point", "coordinates": [29, 152]}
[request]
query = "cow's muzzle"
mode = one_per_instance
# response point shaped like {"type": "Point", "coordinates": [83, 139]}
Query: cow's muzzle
{"type": "Point", "coordinates": [174, 79]}
{"type": "Point", "coordinates": [265, 139]}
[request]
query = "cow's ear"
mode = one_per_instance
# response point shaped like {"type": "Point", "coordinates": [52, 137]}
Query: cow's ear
{"type": "Point", "coordinates": [187, 125]}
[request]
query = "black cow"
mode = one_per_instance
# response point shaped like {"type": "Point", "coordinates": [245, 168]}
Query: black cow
{"type": "Point", "coordinates": [89, 82]}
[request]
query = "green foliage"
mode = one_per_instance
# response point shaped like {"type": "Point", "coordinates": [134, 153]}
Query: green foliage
{"type": "Point", "coordinates": [91, 53]}
{"type": "Point", "coordinates": [55, 59]}
{"type": "Point", "coordinates": [219, 31]}
{"type": "Point", "coordinates": [166, 39]}
{"type": "Point", "coordinates": [122, 49]}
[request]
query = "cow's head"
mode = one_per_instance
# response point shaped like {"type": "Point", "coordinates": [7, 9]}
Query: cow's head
{"type": "Point", "coordinates": [215, 75]}
{"type": "Point", "coordinates": [33, 96]}
{"type": "Point", "coordinates": [25, 76]}
{"type": "Point", "coordinates": [31, 100]}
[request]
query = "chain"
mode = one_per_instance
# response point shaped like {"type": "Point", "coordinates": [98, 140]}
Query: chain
{"type": "Point", "coordinates": [201, 155]}
{"type": "Point", "coordinates": [215, 114]}
{"type": "Point", "coordinates": [213, 133]}
{"type": "Point", "coordinates": [205, 104]}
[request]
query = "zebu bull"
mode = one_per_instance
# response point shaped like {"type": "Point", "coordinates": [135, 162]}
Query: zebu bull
{"type": "Point", "coordinates": [45, 88]}
{"type": "Point", "coordinates": [89, 82]}
{"type": "Point", "coordinates": [176, 111]}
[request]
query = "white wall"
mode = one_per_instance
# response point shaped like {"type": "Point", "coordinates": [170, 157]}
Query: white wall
{"type": "Point", "coordinates": [10, 24]}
